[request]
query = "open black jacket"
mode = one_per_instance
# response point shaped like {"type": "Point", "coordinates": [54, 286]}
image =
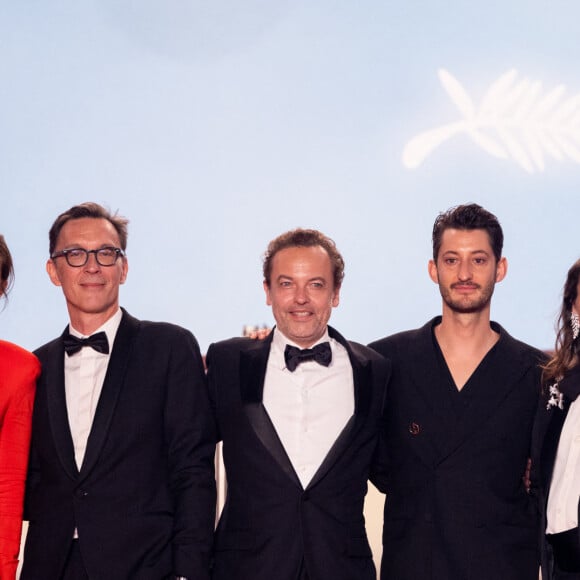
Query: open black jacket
{"type": "Point", "coordinates": [271, 527]}
{"type": "Point", "coordinates": [144, 499]}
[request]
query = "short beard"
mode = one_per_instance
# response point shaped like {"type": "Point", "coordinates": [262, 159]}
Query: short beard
{"type": "Point", "coordinates": [468, 306]}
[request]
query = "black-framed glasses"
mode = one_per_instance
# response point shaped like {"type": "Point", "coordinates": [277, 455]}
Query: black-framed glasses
{"type": "Point", "coordinates": [78, 257]}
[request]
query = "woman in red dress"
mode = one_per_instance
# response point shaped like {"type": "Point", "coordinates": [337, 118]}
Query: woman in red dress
{"type": "Point", "coordinates": [18, 372]}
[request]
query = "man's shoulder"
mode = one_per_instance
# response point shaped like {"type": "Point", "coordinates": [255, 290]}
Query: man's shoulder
{"type": "Point", "coordinates": [237, 344]}
{"type": "Point", "coordinates": [524, 350]}
{"type": "Point", "coordinates": [404, 340]}
{"type": "Point", "coordinates": [159, 328]}
{"type": "Point", "coordinates": [42, 351]}
{"type": "Point", "coordinates": [364, 352]}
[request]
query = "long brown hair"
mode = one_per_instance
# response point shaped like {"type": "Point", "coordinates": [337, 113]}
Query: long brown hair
{"type": "Point", "coordinates": [566, 352]}
{"type": "Point", "coordinates": [6, 268]}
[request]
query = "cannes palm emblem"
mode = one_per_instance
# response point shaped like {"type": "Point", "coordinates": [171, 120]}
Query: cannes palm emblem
{"type": "Point", "coordinates": [516, 121]}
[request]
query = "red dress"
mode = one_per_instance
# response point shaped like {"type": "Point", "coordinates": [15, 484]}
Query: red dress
{"type": "Point", "coordinates": [19, 370]}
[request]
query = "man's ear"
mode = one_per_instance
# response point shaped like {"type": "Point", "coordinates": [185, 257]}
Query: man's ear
{"type": "Point", "coordinates": [267, 291]}
{"type": "Point", "coordinates": [432, 269]}
{"type": "Point", "coordinates": [501, 270]}
{"type": "Point", "coordinates": [336, 297]}
{"type": "Point", "coordinates": [125, 270]}
{"type": "Point", "coordinates": [52, 272]}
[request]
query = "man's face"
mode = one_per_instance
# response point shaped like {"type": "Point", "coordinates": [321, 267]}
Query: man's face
{"type": "Point", "coordinates": [91, 291]}
{"type": "Point", "coordinates": [466, 270]}
{"type": "Point", "coordinates": [302, 293]}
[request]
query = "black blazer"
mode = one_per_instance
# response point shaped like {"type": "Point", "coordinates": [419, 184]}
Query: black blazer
{"type": "Point", "coordinates": [271, 526]}
{"type": "Point", "coordinates": [456, 506]}
{"type": "Point", "coordinates": [144, 500]}
{"type": "Point", "coordinates": [549, 424]}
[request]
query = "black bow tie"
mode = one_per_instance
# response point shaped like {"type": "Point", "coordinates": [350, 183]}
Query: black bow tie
{"type": "Point", "coordinates": [98, 341]}
{"type": "Point", "coordinates": [293, 356]}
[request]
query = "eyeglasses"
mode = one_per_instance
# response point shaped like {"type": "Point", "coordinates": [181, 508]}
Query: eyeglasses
{"type": "Point", "coordinates": [78, 257]}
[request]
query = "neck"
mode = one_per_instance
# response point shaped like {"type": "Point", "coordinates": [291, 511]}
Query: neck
{"type": "Point", "coordinates": [87, 323]}
{"type": "Point", "coordinates": [465, 330]}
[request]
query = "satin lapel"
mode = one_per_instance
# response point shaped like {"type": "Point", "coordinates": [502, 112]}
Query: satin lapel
{"type": "Point", "coordinates": [253, 363]}
{"type": "Point", "coordinates": [53, 378]}
{"type": "Point", "coordinates": [499, 378]}
{"type": "Point", "coordinates": [361, 370]}
{"type": "Point", "coordinates": [114, 379]}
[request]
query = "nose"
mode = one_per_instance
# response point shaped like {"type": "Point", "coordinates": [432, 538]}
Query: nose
{"type": "Point", "coordinates": [92, 265]}
{"type": "Point", "coordinates": [464, 272]}
{"type": "Point", "coordinates": [301, 295]}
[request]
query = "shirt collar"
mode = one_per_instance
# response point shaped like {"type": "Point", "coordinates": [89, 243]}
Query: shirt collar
{"type": "Point", "coordinates": [109, 328]}
{"type": "Point", "coordinates": [279, 342]}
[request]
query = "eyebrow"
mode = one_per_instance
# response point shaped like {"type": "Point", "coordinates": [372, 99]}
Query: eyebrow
{"type": "Point", "coordinates": [455, 252]}
{"type": "Point", "coordinates": [288, 277]}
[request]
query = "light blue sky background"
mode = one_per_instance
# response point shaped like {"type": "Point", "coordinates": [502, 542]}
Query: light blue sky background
{"type": "Point", "coordinates": [216, 125]}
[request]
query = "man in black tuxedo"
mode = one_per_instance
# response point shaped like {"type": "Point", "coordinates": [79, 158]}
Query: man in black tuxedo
{"type": "Point", "coordinates": [298, 414]}
{"type": "Point", "coordinates": [458, 426]}
{"type": "Point", "coordinates": [121, 481]}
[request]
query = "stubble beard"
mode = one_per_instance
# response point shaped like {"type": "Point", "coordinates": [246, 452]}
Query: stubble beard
{"type": "Point", "coordinates": [467, 304]}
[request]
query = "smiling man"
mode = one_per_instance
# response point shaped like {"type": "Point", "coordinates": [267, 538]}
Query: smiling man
{"type": "Point", "coordinates": [120, 480]}
{"type": "Point", "coordinates": [298, 413]}
{"type": "Point", "coordinates": [458, 425]}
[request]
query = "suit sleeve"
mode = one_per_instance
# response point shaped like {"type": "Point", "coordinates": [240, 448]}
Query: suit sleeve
{"type": "Point", "coordinates": [380, 465]}
{"type": "Point", "coordinates": [190, 438]}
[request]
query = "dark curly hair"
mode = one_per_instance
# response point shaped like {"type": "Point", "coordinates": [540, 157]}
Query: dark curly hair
{"type": "Point", "coordinates": [468, 217]}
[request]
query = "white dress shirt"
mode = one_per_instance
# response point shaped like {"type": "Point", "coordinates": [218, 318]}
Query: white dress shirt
{"type": "Point", "coordinates": [84, 375]}
{"type": "Point", "coordinates": [310, 406]}
{"type": "Point", "coordinates": [565, 485]}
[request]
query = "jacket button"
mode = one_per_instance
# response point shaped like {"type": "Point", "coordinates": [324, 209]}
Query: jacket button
{"type": "Point", "coordinates": [414, 428]}
{"type": "Point", "coordinates": [81, 493]}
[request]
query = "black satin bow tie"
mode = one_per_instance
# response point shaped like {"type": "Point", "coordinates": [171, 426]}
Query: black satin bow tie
{"type": "Point", "coordinates": [293, 356]}
{"type": "Point", "coordinates": [98, 341]}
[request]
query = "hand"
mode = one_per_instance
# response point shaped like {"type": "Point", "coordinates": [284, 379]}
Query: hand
{"type": "Point", "coordinates": [526, 477]}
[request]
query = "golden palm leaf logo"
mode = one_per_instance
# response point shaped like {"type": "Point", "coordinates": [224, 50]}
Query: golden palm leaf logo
{"type": "Point", "coordinates": [515, 120]}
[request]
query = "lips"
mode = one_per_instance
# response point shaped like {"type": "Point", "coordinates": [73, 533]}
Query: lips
{"type": "Point", "coordinates": [92, 284]}
{"type": "Point", "coordinates": [300, 313]}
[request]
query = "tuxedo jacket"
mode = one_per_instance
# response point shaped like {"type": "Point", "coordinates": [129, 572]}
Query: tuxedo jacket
{"type": "Point", "coordinates": [18, 372]}
{"type": "Point", "coordinates": [456, 506]}
{"type": "Point", "coordinates": [144, 499]}
{"type": "Point", "coordinates": [271, 527]}
{"type": "Point", "coordinates": [549, 423]}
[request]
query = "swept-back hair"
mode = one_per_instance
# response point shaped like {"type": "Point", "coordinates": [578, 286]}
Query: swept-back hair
{"type": "Point", "coordinates": [88, 209]}
{"type": "Point", "coordinates": [468, 217]}
{"type": "Point", "coordinates": [300, 238]}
